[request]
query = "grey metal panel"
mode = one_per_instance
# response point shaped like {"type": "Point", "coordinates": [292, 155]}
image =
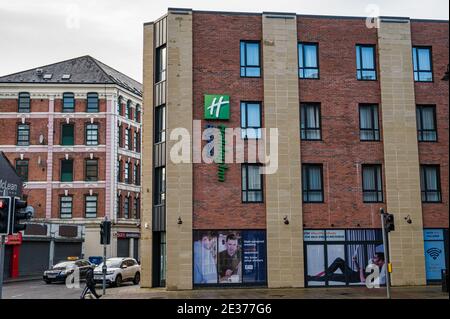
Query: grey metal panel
{"type": "Point", "coordinates": [7, 262]}
{"type": "Point", "coordinates": [159, 155]}
{"type": "Point", "coordinates": [65, 249]}
{"type": "Point", "coordinates": [136, 249]}
{"type": "Point", "coordinates": [123, 247]}
{"type": "Point", "coordinates": [159, 218]}
{"type": "Point", "coordinates": [34, 257]}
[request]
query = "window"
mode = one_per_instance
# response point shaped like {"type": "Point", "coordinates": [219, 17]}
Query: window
{"type": "Point", "coordinates": [65, 207]}
{"type": "Point", "coordinates": [23, 134]}
{"type": "Point", "coordinates": [308, 61]}
{"type": "Point", "coordinates": [91, 206]}
{"type": "Point", "coordinates": [120, 135]}
{"type": "Point", "coordinates": [430, 183]}
{"type": "Point", "coordinates": [119, 206]}
{"type": "Point", "coordinates": [250, 120]}
{"type": "Point", "coordinates": [136, 142]}
{"type": "Point", "coordinates": [252, 183]}
{"type": "Point", "coordinates": [137, 114]}
{"type": "Point", "coordinates": [423, 71]}
{"type": "Point", "coordinates": [160, 185]}
{"type": "Point", "coordinates": [119, 105]}
{"type": "Point", "coordinates": [310, 123]}
{"type": "Point", "coordinates": [68, 102]}
{"type": "Point", "coordinates": [372, 184]}
{"type": "Point", "coordinates": [130, 140]}
{"type": "Point", "coordinates": [127, 138]}
{"type": "Point", "coordinates": [24, 103]}
{"type": "Point", "coordinates": [67, 134]}
{"type": "Point", "coordinates": [127, 172]}
{"type": "Point", "coordinates": [369, 129]}
{"type": "Point", "coordinates": [91, 170]}
{"type": "Point", "coordinates": [119, 171]}
{"type": "Point", "coordinates": [161, 64]}
{"type": "Point", "coordinates": [136, 208]}
{"type": "Point", "coordinates": [312, 183]}
{"type": "Point", "coordinates": [128, 110]}
{"type": "Point", "coordinates": [365, 62]}
{"type": "Point", "coordinates": [92, 103]}
{"type": "Point", "coordinates": [92, 134]}
{"type": "Point", "coordinates": [250, 59]}
{"type": "Point", "coordinates": [22, 169]}
{"type": "Point", "coordinates": [426, 123]}
{"type": "Point", "coordinates": [126, 207]}
{"type": "Point", "coordinates": [136, 175]}
{"type": "Point", "coordinates": [66, 170]}
{"type": "Point", "coordinates": [160, 124]}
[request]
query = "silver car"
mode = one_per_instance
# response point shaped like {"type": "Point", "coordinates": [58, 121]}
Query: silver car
{"type": "Point", "coordinates": [119, 270]}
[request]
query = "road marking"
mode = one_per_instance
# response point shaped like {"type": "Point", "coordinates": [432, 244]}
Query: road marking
{"type": "Point", "coordinates": [16, 296]}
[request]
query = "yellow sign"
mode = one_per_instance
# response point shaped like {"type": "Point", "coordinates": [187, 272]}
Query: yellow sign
{"type": "Point", "coordinates": [389, 267]}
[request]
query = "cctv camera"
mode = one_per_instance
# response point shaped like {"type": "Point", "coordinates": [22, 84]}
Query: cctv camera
{"type": "Point", "coordinates": [408, 219]}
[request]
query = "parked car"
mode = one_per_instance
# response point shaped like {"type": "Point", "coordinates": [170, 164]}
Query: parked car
{"type": "Point", "coordinates": [60, 271]}
{"type": "Point", "coordinates": [119, 270]}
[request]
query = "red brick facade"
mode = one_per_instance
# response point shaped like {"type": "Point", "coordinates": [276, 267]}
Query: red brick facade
{"type": "Point", "coordinates": [435, 93]}
{"type": "Point", "coordinates": [216, 57]}
{"type": "Point", "coordinates": [216, 71]}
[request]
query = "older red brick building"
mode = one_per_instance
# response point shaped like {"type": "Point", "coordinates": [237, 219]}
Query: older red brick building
{"type": "Point", "coordinates": [361, 112]}
{"type": "Point", "coordinates": [72, 130]}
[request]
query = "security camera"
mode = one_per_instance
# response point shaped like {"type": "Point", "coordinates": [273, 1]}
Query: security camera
{"type": "Point", "coordinates": [408, 219]}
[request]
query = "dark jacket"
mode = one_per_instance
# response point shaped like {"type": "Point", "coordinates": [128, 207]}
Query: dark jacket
{"type": "Point", "coordinates": [90, 277]}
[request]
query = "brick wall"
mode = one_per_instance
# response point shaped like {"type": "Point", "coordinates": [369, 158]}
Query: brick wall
{"type": "Point", "coordinates": [341, 152]}
{"type": "Point", "coordinates": [78, 165]}
{"type": "Point", "coordinates": [78, 202]}
{"type": "Point", "coordinates": [436, 36]}
{"type": "Point", "coordinates": [216, 70]}
{"type": "Point", "coordinates": [37, 127]}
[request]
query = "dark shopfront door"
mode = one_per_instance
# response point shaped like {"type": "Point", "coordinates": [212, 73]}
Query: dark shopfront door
{"type": "Point", "coordinates": [123, 247]}
{"type": "Point", "coordinates": [159, 259]}
{"type": "Point", "coordinates": [7, 262]}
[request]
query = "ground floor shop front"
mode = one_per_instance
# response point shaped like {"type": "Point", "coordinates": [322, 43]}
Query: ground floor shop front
{"type": "Point", "coordinates": [332, 257]}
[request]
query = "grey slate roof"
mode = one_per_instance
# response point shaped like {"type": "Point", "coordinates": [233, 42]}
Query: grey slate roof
{"type": "Point", "coordinates": [82, 70]}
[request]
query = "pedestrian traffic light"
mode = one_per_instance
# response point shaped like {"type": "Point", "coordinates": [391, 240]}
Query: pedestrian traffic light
{"type": "Point", "coordinates": [20, 213]}
{"type": "Point", "coordinates": [389, 223]}
{"type": "Point", "coordinates": [105, 232]}
{"type": "Point", "coordinates": [5, 203]}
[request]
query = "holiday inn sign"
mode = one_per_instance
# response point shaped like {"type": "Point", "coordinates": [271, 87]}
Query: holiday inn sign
{"type": "Point", "coordinates": [217, 107]}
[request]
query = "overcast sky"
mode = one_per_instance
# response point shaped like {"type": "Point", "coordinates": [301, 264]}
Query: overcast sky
{"type": "Point", "coordinates": [35, 33]}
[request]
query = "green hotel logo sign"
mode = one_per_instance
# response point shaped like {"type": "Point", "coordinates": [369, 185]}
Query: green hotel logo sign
{"type": "Point", "coordinates": [217, 107]}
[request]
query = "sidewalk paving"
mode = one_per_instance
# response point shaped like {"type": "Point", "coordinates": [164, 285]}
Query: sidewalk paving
{"type": "Point", "coordinates": [421, 292]}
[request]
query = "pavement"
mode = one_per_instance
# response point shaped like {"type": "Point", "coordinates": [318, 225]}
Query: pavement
{"type": "Point", "coordinates": [422, 292]}
{"type": "Point", "coordinates": [39, 290]}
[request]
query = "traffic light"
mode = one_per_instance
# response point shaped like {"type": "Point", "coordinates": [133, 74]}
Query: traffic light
{"type": "Point", "coordinates": [5, 203]}
{"type": "Point", "coordinates": [389, 223]}
{"type": "Point", "coordinates": [18, 214]}
{"type": "Point", "coordinates": [105, 232]}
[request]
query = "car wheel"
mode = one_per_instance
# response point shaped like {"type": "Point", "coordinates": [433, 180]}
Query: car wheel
{"type": "Point", "coordinates": [137, 278]}
{"type": "Point", "coordinates": [118, 281]}
{"type": "Point", "coordinates": [48, 282]}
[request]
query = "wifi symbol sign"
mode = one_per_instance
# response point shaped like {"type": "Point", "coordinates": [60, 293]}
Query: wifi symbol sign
{"type": "Point", "coordinates": [434, 252]}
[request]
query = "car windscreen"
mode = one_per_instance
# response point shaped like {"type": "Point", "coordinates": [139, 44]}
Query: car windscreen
{"type": "Point", "coordinates": [112, 264]}
{"type": "Point", "coordinates": [64, 264]}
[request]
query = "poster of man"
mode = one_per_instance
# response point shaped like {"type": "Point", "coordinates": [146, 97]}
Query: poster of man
{"type": "Point", "coordinates": [205, 258]}
{"type": "Point", "coordinates": [230, 258]}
